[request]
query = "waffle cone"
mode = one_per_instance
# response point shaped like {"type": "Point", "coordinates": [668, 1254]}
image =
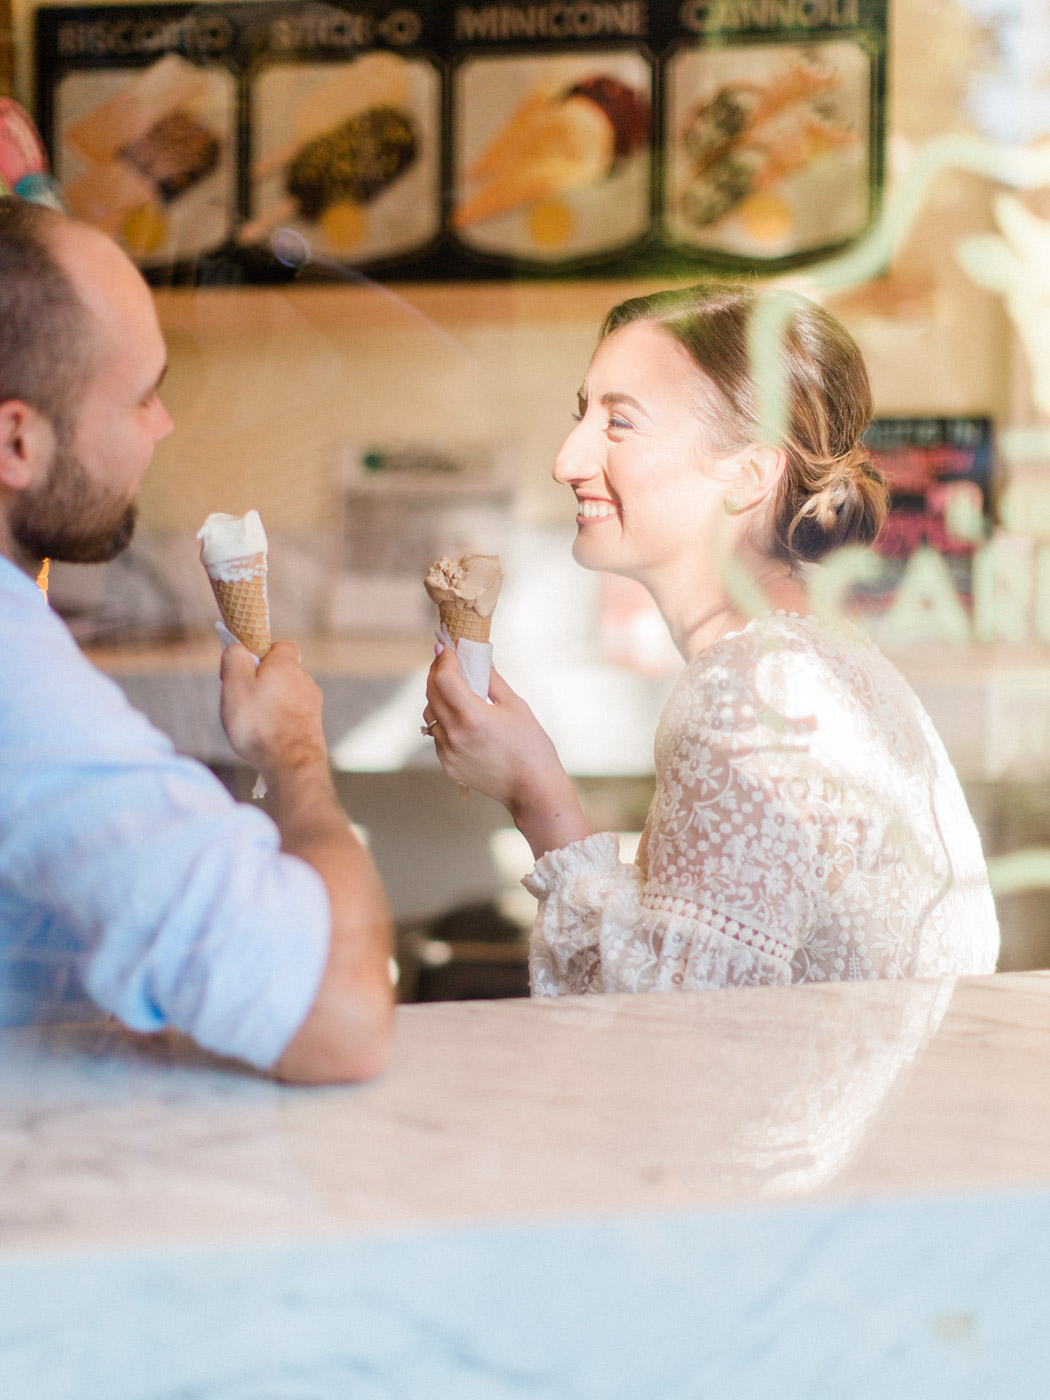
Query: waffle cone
{"type": "Point", "coordinates": [462, 623]}
{"type": "Point", "coordinates": [243, 604]}
{"type": "Point", "coordinates": [548, 148]}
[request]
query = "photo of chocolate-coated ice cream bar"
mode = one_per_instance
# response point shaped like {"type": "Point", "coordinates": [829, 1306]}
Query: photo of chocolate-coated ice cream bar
{"type": "Point", "coordinates": [148, 155]}
{"type": "Point", "coordinates": [552, 155]}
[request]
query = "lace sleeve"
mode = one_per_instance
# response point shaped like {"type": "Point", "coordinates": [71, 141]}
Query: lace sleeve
{"type": "Point", "coordinates": [586, 897]}
{"type": "Point", "coordinates": [730, 867]}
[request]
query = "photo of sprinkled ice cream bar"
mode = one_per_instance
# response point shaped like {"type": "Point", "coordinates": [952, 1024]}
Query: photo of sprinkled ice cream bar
{"type": "Point", "coordinates": [552, 154]}
{"type": "Point", "coordinates": [148, 155]}
{"type": "Point", "coordinates": [348, 155]}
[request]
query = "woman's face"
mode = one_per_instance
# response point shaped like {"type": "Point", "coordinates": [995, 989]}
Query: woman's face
{"type": "Point", "coordinates": [640, 457]}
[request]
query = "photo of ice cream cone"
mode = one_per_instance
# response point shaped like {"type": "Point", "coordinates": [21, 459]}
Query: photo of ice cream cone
{"type": "Point", "coordinates": [554, 143]}
{"type": "Point", "coordinates": [233, 552]}
{"type": "Point", "coordinates": [552, 154]}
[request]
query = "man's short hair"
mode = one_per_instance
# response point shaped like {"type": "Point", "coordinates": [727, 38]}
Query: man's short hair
{"type": "Point", "coordinates": [46, 343]}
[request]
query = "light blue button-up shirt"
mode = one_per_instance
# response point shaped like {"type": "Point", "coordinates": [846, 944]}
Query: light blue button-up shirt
{"type": "Point", "coordinates": [128, 875]}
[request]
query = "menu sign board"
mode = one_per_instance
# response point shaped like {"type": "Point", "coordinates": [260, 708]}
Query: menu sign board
{"type": "Point", "coordinates": [939, 474]}
{"type": "Point", "coordinates": [431, 140]}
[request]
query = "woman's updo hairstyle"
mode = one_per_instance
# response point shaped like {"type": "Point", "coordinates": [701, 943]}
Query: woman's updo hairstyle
{"type": "Point", "coordinates": [831, 493]}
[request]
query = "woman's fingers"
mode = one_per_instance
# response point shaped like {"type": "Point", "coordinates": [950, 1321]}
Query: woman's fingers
{"type": "Point", "coordinates": [449, 702]}
{"type": "Point", "coordinates": [477, 742]}
{"type": "Point", "coordinates": [444, 672]}
{"type": "Point", "coordinates": [438, 677]}
{"type": "Point", "coordinates": [499, 691]}
{"type": "Point", "coordinates": [448, 693]}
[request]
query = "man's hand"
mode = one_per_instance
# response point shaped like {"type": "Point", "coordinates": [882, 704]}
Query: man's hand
{"type": "Point", "coordinates": [271, 712]}
{"type": "Point", "coordinates": [272, 717]}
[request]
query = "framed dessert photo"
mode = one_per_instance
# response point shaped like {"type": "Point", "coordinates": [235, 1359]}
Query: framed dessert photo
{"type": "Point", "coordinates": [768, 148]}
{"type": "Point", "coordinates": [348, 155]}
{"type": "Point", "coordinates": [552, 155]}
{"type": "Point", "coordinates": [149, 155]}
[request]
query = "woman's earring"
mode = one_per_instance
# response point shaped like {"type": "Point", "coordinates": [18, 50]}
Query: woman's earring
{"type": "Point", "coordinates": [732, 505]}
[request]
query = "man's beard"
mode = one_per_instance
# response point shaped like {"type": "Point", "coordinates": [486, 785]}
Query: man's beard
{"type": "Point", "coordinates": [69, 518]}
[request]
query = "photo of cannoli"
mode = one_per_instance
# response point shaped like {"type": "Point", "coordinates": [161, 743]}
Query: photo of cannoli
{"type": "Point", "coordinates": [348, 155]}
{"type": "Point", "coordinates": [148, 155]}
{"type": "Point", "coordinates": [552, 155]}
{"type": "Point", "coordinates": [767, 148]}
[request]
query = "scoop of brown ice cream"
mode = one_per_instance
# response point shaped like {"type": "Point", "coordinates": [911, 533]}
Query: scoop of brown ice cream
{"type": "Point", "coordinates": [628, 111]}
{"type": "Point", "coordinates": [471, 582]}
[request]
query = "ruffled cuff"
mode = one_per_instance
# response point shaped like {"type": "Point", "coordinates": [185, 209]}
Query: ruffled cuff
{"type": "Point", "coordinates": [579, 864]}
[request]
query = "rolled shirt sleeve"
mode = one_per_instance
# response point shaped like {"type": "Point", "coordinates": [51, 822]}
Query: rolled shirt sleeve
{"type": "Point", "coordinates": [130, 870]}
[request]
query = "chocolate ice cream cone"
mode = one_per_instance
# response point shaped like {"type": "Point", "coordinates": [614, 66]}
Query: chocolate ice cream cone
{"type": "Point", "coordinates": [464, 623]}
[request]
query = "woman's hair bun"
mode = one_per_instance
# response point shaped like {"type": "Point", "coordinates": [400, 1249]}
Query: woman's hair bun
{"type": "Point", "coordinates": [847, 507]}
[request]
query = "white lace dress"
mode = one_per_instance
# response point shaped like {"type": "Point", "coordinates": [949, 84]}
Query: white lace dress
{"type": "Point", "coordinates": [807, 825]}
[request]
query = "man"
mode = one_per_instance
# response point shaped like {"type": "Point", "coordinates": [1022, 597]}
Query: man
{"type": "Point", "coordinates": [125, 869]}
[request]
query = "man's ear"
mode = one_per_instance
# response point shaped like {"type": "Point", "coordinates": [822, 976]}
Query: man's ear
{"type": "Point", "coordinates": [27, 445]}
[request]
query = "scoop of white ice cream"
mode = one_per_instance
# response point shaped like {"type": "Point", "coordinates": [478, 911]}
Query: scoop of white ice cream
{"type": "Point", "coordinates": [473, 581]}
{"type": "Point", "coordinates": [227, 537]}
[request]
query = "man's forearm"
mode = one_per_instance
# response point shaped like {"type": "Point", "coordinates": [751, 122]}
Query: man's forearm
{"type": "Point", "coordinates": [346, 1032]}
{"type": "Point", "coordinates": [272, 716]}
{"type": "Point", "coordinates": [303, 801]}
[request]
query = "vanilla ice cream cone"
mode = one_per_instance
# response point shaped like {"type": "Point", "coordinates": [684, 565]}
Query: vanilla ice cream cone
{"type": "Point", "coordinates": [244, 605]}
{"type": "Point", "coordinates": [236, 568]}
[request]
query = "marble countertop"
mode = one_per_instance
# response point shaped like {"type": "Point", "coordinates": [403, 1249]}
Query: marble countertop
{"type": "Point", "coordinates": [529, 1110]}
{"type": "Point", "coordinates": [823, 1192]}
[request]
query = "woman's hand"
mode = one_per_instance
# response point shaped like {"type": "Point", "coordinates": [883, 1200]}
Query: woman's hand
{"type": "Point", "coordinates": [501, 750]}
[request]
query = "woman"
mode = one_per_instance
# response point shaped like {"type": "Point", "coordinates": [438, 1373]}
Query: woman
{"type": "Point", "coordinates": [807, 824]}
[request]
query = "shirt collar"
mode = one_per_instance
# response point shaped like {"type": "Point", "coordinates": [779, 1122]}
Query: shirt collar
{"type": "Point", "coordinates": [14, 580]}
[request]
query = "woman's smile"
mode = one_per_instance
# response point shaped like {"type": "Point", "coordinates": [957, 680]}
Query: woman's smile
{"type": "Point", "coordinates": [594, 508]}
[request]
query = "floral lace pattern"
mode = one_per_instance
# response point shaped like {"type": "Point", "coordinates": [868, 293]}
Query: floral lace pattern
{"type": "Point", "coordinates": [807, 826]}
